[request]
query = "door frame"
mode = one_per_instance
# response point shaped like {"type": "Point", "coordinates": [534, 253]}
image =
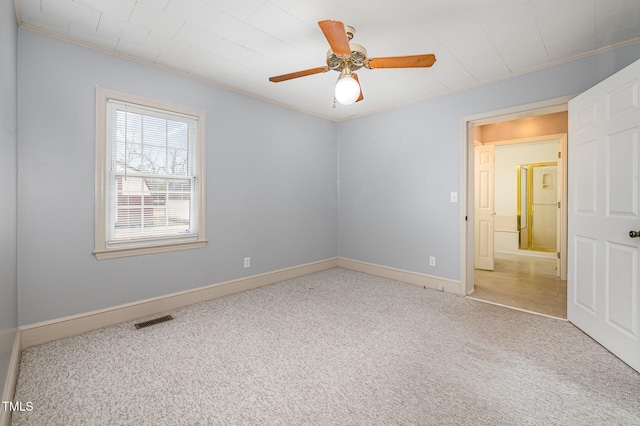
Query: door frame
{"type": "Point", "coordinates": [467, 217]}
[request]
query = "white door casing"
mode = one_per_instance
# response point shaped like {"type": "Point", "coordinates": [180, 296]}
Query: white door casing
{"type": "Point", "coordinates": [559, 228]}
{"type": "Point", "coordinates": [484, 206]}
{"type": "Point", "coordinates": [467, 176]}
{"type": "Point", "coordinates": [604, 205]}
{"type": "Point", "coordinates": [562, 199]}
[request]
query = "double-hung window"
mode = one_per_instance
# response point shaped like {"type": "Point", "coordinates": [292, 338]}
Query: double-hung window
{"type": "Point", "coordinates": [149, 176]}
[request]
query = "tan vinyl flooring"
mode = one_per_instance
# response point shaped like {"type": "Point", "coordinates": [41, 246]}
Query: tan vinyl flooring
{"type": "Point", "coordinates": [524, 282]}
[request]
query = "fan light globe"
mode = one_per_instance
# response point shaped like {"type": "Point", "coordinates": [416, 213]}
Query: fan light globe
{"type": "Point", "coordinates": [347, 90]}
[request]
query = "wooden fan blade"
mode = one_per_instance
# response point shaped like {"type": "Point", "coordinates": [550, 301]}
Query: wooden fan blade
{"type": "Point", "coordinates": [415, 61]}
{"type": "Point", "coordinates": [336, 36]}
{"type": "Point", "coordinates": [297, 74]}
{"type": "Point", "coordinates": [355, 77]}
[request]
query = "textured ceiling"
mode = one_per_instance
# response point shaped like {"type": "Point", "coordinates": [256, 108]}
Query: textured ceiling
{"type": "Point", "coordinates": [238, 44]}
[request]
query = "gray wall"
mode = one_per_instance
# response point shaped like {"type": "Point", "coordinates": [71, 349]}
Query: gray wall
{"type": "Point", "coordinates": [8, 144]}
{"type": "Point", "coordinates": [272, 174]}
{"type": "Point", "coordinates": [397, 168]}
{"type": "Point", "coordinates": [271, 184]}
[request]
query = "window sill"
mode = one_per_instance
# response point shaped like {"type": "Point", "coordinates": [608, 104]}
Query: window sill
{"type": "Point", "coordinates": [138, 251]}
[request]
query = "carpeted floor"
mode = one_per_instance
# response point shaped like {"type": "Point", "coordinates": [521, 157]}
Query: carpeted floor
{"type": "Point", "coordinates": [332, 348]}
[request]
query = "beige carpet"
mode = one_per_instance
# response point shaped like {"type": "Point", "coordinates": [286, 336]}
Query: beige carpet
{"type": "Point", "coordinates": [332, 348]}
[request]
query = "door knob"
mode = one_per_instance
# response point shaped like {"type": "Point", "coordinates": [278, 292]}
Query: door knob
{"type": "Point", "coordinates": [634, 234]}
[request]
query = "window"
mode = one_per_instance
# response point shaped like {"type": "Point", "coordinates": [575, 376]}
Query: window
{"type": "Point", "coordinates": [150, 176]}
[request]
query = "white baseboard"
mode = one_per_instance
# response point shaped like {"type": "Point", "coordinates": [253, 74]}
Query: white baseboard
{"type": "Point", "coordinates": [47, 331]}
{"type": "Point", "coordinates": [12, 378]}
{"type": "Point", "coordinates": [423, 280]}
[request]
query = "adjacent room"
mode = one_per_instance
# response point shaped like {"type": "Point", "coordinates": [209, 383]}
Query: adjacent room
{"type": "Point", "coordinates": [289, 211]}
{"type": "Point", "coordinates": [527, 267]}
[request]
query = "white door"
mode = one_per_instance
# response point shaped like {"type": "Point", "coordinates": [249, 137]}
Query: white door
{"type": "Point", "coordinates": [484, 205]}
{"type": "Point", "coordinates": [604, 156]}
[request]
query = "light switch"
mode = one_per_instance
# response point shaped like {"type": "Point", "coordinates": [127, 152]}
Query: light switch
{"type": "Point", "coordinates": [454, 197]}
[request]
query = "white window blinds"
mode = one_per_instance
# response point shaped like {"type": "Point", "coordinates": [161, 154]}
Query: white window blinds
{"type": "Point", "coordinates": [151, 174]}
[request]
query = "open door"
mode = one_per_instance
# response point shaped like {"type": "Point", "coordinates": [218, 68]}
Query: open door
{"type": "Point", "coordinates": [604, 206]}
{"type": "Point", "coordinates": [484, 206]}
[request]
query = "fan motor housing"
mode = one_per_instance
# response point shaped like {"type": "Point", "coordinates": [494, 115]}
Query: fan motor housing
{"type": "Point", "coordinates": [355, 60]}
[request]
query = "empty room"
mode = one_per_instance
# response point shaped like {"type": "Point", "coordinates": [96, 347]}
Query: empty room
{"type": "Point", "coordinates": [319, 212]}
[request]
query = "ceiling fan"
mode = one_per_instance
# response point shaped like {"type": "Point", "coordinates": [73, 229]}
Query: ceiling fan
{"type": "Point", "coordinates": [346, 57]}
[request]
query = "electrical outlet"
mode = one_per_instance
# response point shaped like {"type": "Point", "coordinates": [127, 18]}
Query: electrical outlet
{"type": "Point", "coordinates": [247, 262]}
{"type": "Point", "coordinates": [432, 261]}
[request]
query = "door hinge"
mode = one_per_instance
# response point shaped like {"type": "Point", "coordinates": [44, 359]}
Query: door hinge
{"type": "Point", "coordinates": [559, 154]}
{"type": "Point", "coordinates": [558, 204]}
{"type": "Point", "coordinates": [558, 255]}
{"type": "Point", "coordinates": [465, 218]}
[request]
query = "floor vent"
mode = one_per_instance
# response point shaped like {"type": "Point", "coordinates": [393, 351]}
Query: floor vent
{"type": "Point", "coordinates": [153, 321]}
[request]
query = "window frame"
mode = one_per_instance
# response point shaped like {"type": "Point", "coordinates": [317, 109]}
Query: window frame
{"type": "Point", "coordinates": [104, 250]}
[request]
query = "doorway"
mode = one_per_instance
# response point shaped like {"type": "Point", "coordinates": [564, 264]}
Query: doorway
{"type": "Point", "coordinates": [603, 284]}
{"type": "Point", "coordinates": [525, 271]}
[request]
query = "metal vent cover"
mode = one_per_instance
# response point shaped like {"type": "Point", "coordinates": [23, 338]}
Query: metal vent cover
{"type": "Point", "coordinates": [154, 321]}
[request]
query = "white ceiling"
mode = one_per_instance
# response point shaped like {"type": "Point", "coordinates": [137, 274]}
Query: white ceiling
{"type": "Point", "coordinates": [238, 44]}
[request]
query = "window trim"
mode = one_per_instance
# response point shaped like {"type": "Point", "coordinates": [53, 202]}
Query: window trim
{"type": "Point", "coordinates": [102, 250]}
